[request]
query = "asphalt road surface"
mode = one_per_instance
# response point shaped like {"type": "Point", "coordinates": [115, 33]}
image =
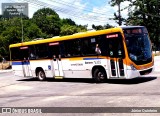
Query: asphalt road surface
{"type": "Point", "coordinates": [139, 92]}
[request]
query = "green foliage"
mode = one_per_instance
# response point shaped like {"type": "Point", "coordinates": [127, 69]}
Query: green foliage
{"type": "Point", "coordinates": [44, 24]}
{"type": "Point", "coordinates": [69, 29]}
{"type": "Point", "coordinates": [48, 21]}
{"type": "Point", "coordinates": [117, 17]}
{"type": "Point", "coordinates": [32, 31]}
{"type": "Point", "coordinates": [147, 13]}
{"type": "Point", "coordinates": [68, 21]}
{"type": "Point", "coordinates": [100, 27]}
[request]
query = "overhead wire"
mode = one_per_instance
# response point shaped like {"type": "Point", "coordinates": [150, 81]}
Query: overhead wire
{"type": "Point", "coordinates": [75, 14]}
{"type": "Point", "coordinates": [88, 9]}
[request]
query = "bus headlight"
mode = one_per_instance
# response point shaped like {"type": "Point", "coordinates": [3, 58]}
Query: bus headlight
{"type": "Point", "coordinates": [132, 67]}
{"type": "Point", "coordinates": [133, 57]}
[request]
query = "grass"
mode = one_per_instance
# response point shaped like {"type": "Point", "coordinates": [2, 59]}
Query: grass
{"type": "Point", "coordinates": [4, 66]}
{"type": "Point", "coordinates": [157, 53]}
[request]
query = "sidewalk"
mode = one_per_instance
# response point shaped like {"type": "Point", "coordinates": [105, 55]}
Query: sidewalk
{"type": "Point", "coordinates": [157, 64]}
{"type": "Point", "coordinates": [4, 71]}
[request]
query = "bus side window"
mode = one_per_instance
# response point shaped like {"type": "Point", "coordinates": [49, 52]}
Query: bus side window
{"type": "Point", "coordinates": [41, 51]}
{"type": "Point", "coordinates": [102, 44]}
{"type": "Point", "coordinates": [68, 48]}
{"type": "Point", "coordinates": [32, 52]}
{"type": "Point", "coordinates": [88, 46]}
{"type": "Point", "coordinates": [72, 48]}
{"type": "Point", "coordinates": [24, 53]}
{"type": "Point", "coordinates": [54, 51]}
{"type": "Point", "coordinates": [62, 49]}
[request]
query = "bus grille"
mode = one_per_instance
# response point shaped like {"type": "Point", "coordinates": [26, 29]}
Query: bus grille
{"type": "Point", "coordinates": [145, 72]}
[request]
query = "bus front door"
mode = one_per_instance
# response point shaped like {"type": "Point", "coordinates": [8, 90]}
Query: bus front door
{"type": "Point", "coordinates": [116, 57]}
{"type": "Point", "coordinates": [117, 68]}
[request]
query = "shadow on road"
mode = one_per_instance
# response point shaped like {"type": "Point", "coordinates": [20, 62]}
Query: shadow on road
{"type": "Point", "coordinates": [131, 81]}
{"type": "Point", "coordinates": [61, 80]}
{"type": "Point", "coordinates": [110, 81]}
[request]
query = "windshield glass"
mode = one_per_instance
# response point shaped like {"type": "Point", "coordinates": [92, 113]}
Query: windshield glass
{"type": "Point", "coordinates": [138, 45]}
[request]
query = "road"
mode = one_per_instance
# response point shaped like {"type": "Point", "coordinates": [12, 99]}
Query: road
{"type": "Point", "coordinates": [138, 92]}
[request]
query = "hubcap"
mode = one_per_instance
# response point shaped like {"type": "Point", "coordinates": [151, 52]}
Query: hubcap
{"type": "Point", "coordinates": [41, 75]}
{"type": "Point", "coordinates": [100, 75]}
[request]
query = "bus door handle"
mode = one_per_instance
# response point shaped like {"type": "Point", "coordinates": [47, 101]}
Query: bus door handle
{"type": "Point", "coordinates": [54, 59]}
{"type": "Point", "coordinates": [59, 57]}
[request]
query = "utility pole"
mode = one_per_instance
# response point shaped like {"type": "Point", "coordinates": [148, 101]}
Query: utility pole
{"type": "Point", "coordinates": [119, 13]}
{"type": "Point", "coordinates": [21, 22]}
{"type": "Point", "coordinates": [22, 26]}
{"type": "Point", "coordinates": [143, 9]}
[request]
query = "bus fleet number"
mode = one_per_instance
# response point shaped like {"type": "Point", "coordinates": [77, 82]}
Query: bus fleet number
{"type": "Point", "coordinates": [97, 62]}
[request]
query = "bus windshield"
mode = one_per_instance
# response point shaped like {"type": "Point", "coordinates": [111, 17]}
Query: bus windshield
{"type": "Point", "coordinates": [138, 45]}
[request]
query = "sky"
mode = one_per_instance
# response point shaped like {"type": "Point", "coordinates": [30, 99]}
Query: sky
{"type": "Point", "coordinates": [84, 12]}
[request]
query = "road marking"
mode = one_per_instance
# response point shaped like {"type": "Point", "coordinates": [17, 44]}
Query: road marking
{"type": "Point", "coordinates": [54, 98]}
{"type": "Point", "coordinates": [18, 87]}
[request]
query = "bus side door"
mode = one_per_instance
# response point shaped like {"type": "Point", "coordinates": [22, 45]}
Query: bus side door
{"type": "Point", "coordinates": [56, 62]}
{"type": "Point", "coordinates": [24, 51]}
{"type": "Point", "coordinates": [116, 56]}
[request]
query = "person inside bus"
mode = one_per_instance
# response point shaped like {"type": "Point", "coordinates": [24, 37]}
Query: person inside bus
{"type": "Point", "coordinates": [32, 55]}
{"type": "Point", "coordinates": [98, 50]}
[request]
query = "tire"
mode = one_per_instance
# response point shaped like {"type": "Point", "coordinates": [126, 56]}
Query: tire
{"type": "Point", "coordinates": [99, 75]}
{"type": "Point", "coordinates": [41, 75]}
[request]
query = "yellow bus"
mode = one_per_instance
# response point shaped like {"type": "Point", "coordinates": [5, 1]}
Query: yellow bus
{"type": "Point", "coordinates": [115, 53]}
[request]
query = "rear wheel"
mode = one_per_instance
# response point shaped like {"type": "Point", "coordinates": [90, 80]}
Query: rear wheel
{"type": "Point", "coordinates": [99, 75]}
{"type": "Point", "coordinates": [41, 75]}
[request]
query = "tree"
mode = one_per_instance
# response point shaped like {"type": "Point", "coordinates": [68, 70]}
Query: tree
{"type": "Point", "coordinates": [100, 27]}
{"type": "Point", "coordinates": [32, 31]}
{"type": "Point", "coordinates": [48, 21]}
{"type": "Point", "coordinates": [11, 33]}
{"type": "Point", "coordinates": [69, 29]}
{"type": "Point", "coordinates": [147, 13]}
{"type": "Point", "coordinates": [68, 21]}
{"type": "Point", "coordinates": [118, 18]}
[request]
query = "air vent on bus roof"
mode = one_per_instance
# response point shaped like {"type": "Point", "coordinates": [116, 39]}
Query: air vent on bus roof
{"type": "Point", "coordinates": [90, 30]}
{"type": "Point", "coordinates": [55, 36]}
{"type": "Point", "coordinates": [79, 33]}
{"type": "Point", "coordinates": [37, 39]}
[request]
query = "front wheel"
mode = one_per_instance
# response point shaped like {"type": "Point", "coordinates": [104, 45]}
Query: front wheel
{"type": "Point", "coordinates": [41, 75]}
{"type": "Point", "coordinates": [99, 75]}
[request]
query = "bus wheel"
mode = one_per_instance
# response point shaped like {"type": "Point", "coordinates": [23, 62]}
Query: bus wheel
{"type": "Point", "coordinates": [41, 75]}
{"type": "Point", "coordinates": [99, 75]}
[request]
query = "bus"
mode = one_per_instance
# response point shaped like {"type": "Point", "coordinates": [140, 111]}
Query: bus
{"type": "Point", "coordinates": [115, 53]}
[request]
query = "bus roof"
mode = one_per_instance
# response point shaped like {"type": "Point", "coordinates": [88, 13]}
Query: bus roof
{"type": "Point", "coordinates": [129, 27]}
{"type": "Point", "coordinates": [68, 37]}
